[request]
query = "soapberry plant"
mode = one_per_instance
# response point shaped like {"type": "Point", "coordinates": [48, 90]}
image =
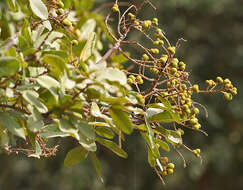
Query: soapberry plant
{"type": "Point", "coordinates": [55, 83]}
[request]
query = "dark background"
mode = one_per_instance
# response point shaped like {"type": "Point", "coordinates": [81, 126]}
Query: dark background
{"type": "Point", "coordinates": [214, 33]}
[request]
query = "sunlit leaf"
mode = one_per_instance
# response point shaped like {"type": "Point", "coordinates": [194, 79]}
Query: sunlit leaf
{"type": "Point", "coordinates": [39, 9]}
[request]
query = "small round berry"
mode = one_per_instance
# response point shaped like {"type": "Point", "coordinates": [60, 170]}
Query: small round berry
{"type": "Point", "coordinates": [227, 96]}
{"type": "Point", "coordinates": [60, 4]}
{"type": "Point", "coordinates": [132, 77]}
{"type": "Point", "coordinates": [145, 57]}
{"type": "Point", "coordinates": [60, 11]}
{"type": "Point", "coordinates": [147, 24]}
{"type": "Point", "coordinates": [171, 165]}
{"type": "Point", "coordinates": [170, 171]}
{"type": "Point", "coordinates": [219, 80]}
{"type": "Point", "coordinates": [195, 88]}
{"type": "Point", "coordinates": [163, 59]}
{"type": "Point", "coordinates": [74, 42]}
{"type": "Point", "coordinates": [197, 126]}
{"type": "Point", "coordinates": [164, 160]}
{"type": "Point", "coordinates": [172, 50]}
{"type": "Point", "coordinates": [155, 22]}
{"type": "Point", "coordinates": [67, 22]}
{"type": "Point", "coordinates": [115, 8]}
{"type": "Point", "coordinates": [195, 111]}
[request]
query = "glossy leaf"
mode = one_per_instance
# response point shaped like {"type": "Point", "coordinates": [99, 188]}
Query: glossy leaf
{"type": "Point", "coordinates": [113, 147]}
{"type": "Point", "coordinates": [162, 144]}
{"type": "Point", "coordinates": [75, 156]}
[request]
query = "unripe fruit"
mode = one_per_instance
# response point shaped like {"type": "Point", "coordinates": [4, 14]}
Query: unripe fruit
{"type": "Point", "coordinates": [197, 126]}
{"type": "Point", "coordinates": [147, 24]}
{"type": "Point", "coordinates": [219, 80]}
{"type": "Point", "coordinates": [173, 70]}
{"type": "Point", "coordinates": [60, 11]}
{"type": "Point", "coordinates": [145, 57]}
{"type": "Point", "coordinates": [194, 121]}
{"type": "Point", "coordinates": [132, 77]}
{"type": "Point", "coordinates": [154, 70]}
{"type": "Point", "coordinates": [195, 111]}
{"type": "Point", "coordinates": [227, 81]}
{"type": "Point", "coordinates": [183, 86]}
{"type": "Point", "coordinates": [155, 22]}
{"type": "Point", "coordinates": [171, 165]}
{"type": "Point", "coordinates": [138, 77]}
{"type": "Point", "coordinates": [163, 59]}
{"type": "Point", "coordinates": [172, 50]}
{"type": "Point", "coordinates": [74, 42]}
{"type": "Point", "coordinates": [234, 91]}
{"type": "Point", "coordinates": [154, 50]}
{"type": "Point", "coordinates": [60, 4]}
{"type": "Point", "coordinates": [170, 171]}
{"type": "Point", "coordinates": [156, 43]}
{"type": "Point", "coordinates": [227, 96]}
{"type": "Point", "coordinates": [131, 16]}
{"type": "Point", "coordinates": [67, 22]}
{"type": "Point", "coordinates": [115, 8]}
{"type": "Point", "coordinates": [130, 81]}
{"type": "Point", "coordinates": [195, 88]}
{"type": "Point", "coordinates": [140, 99]}
{"type": "Point", "coordinates": [136, 22]}
{"type": "Point", "coordinates": [174, 62]}
{"type": "Point", "coordinates": [198, 150]}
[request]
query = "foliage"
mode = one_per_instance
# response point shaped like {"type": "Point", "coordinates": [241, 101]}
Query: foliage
{"type": "Point", "coordinates": [55, 82]}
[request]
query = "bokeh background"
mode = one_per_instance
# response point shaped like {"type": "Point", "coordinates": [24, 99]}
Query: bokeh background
{"type": "Point", "coordinates": [214, 33]}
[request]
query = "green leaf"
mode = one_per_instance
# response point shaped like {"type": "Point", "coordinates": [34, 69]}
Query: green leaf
{"type": "Point", "coordinates": [55, 63]}
{"type": "Point", "coordinates": [174, 138]}
{"type": "Point", "coordinates": [96, 165]}
{"type": "Point", "coordinates": [112, 74]}
{"type": "Point", "coordinates": [121, 120]}
{"type": "Point", "coordinates": [85, 129]}
{"type": "Point", "coordinates": [119, 58]}
{"type": "Point", "coordinates": [11, 124]}
{"type": "Point", "coordinates": [39, 9]}
{"type": "Point", "coordinates": [8, 66]}
{"type": "Point", "coordinates": [32, 97]}
{"type": "Point", "coordinates": [155, 149]}
{"type": "Point", "coordinates": [88, 48]}
{"type": "Point", "coordinates": [87, 4]}
{"type": "Point", "coordinates": [12, 5]}
{"type": "Point", "coordinates": [35, 121]}
{"type": "Point", "coordinates": [66, 127]}
{"type": "Point", "coordinates": [105, 132]}
{"type": "Point", "coordinates": [87, 28]}
{"type": "Point", "coordinates": [163, 117]}
{"type": "Point", "coordinates": [162, 144]}
{"type": "Point", "coordinates": [151, 158]}
{"type": "Point", "coordinates": [50, 84]}
{"type": "Point", "coordinates": [113, 147]}
{"type": "Point", "coordinates": [52, 134]}
{"type": "Point", "coordinates": [75, 156]}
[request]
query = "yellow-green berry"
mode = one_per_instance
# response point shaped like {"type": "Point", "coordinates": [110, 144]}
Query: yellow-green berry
{"type": "Point", "coordinates": [74, 42]}
{"type": "Point", "coordinates": [197, 126]}
{"type": "Point", "coordinates": [164, 160]}
{"type": "Point", "coordinates": [155, 22]}
{"type": "Point", "coordinates": [227, 96]}
{"type": "Point", "coordinates": [67, 22]}
{"type": "Point", "coordinates": [60, 11]}
{"type": "Point", "coordinates": [145, 57]}
{"type": "Point", "coordinates": [60, 4]}
{"type": "Point", "coordinates": [170, 171]}
{"type": "Point", "coordinates": [131, 16]}
{"type": "Point", "coordinates": [195, 111]}
{"type": "Point", "coordinates": [219, 80]}
{"type": "Point", "coordinates": [154, 50]}
{"type": "Point", "coordinates": [115, 8]}
{"type": "Point", "coordinates": [172, 50]}
{"type": "Point", "coordinates": [147, 24]}
{"type": "Point", "coordinates": [163, 59]}
{"type": "Point", "coordinates": [171, 165]}
{"type": "Point", "coordinates": [195, 88]}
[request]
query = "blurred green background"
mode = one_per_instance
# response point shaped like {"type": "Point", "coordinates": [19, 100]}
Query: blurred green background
{"type": "Point", "coordinates": [214, 33]}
